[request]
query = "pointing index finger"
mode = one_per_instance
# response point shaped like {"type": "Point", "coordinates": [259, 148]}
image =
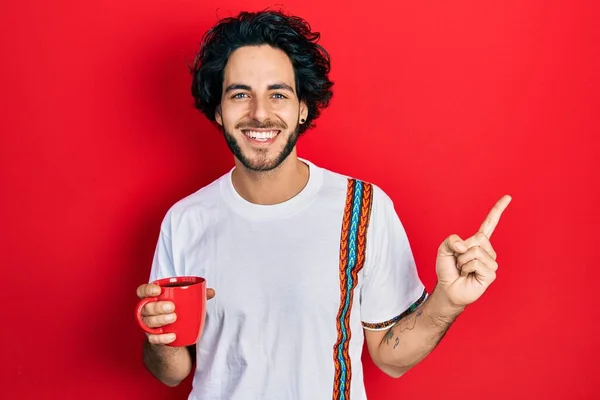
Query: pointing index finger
{"type": "Point", "coordinates": [492, 219]}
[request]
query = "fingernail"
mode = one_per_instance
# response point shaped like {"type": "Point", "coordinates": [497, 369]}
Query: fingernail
{"type": "Point", "coordinates": [171, 337]}
{"type": "Point", "coordinates": [169, 317]}
{"type": "Point", "coordinates": [168, 307]}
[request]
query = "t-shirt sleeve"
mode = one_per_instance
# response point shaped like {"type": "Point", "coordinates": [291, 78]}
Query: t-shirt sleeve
{"type": "Point", "coordinates": [391, 284]}
{"type": "Point", "coordinates": [162, 263]}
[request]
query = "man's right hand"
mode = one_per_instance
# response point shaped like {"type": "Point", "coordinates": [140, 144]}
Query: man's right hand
{"type": "Point", "coordinates": [160, 313]}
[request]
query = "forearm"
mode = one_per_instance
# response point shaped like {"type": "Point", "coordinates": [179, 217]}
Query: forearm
{"type": "Point", "coordinates": [170, 365]}
{"type": "Point", "coordinates": [412, 338]}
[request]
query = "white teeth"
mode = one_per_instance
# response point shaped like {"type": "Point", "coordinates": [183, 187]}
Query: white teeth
{"type": "Point", "coordinates": [261, 135]}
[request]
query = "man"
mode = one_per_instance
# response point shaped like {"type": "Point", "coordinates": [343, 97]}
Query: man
{"type": "Point", "coordinates": [302, 260]}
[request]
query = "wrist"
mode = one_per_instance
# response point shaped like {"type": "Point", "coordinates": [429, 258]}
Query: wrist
{"type": "Point", "coordinates": [441, 308]}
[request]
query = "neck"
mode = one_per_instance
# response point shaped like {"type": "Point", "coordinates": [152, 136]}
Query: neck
{"type": "Point", "coordinates": [271, 187]}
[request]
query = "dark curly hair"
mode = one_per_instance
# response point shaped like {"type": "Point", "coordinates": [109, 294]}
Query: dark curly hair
{"type": "Point", "coordinates": [290, 34]}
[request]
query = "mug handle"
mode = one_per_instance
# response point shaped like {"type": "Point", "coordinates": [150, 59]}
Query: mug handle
{"type": "Point", "coordinates": [138, 315]}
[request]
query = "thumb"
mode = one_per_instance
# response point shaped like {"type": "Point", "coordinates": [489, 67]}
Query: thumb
{"type": "Point", "coordinates": [210, 293]}
{"type": "Point", "coordinates": [451, 246]}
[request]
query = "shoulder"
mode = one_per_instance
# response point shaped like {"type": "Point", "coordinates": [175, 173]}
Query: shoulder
{"type": "Point", "coordinates": [195, 206]}
{"type": "Point", "coordinates": [357, 189]}
{"type": "Point", "coordinates": [337, 181]}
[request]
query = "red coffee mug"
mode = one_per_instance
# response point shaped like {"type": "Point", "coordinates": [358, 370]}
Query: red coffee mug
{"type": "Point", "coordinates": [188, 293]}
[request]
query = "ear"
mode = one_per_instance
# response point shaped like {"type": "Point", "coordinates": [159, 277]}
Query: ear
{"type": "Point", "coordinates": [303, 111]}
{"type": "Point", "coordinates": [218, 116]}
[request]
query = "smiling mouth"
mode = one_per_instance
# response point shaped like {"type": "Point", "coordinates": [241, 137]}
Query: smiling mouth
{"type": "Point", "coordinates": [263, 136]}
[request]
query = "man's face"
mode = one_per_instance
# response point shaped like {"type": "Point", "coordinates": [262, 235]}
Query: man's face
{"type": "Point", "coordinates": [259, 109]}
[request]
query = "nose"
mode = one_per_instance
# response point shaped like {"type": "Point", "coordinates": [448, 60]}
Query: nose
{"type": "Point", "coordinates": [259, 109]}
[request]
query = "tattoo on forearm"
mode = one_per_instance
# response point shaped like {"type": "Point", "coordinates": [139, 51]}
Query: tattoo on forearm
{"type": "Point", "coordinates": [407, 323]}
{"type": "Point", "coordinates": [410, 321]}
{"type": "Point", "coordinates": [389, 335]}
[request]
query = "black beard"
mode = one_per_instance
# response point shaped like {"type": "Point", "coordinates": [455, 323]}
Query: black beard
{"type": "Point", "coordinates": [265, 165]}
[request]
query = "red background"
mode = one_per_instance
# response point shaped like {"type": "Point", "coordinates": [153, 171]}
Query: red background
{"type": "Point", "coordinates": [445, 105]}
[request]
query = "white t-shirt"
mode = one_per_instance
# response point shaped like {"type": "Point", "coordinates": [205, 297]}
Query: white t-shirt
{"type": "Point", "coordinates": [295, 285]}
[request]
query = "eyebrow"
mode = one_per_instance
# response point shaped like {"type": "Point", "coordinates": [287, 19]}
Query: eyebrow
{"type": "Point", "coordinates": [274, 86]}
